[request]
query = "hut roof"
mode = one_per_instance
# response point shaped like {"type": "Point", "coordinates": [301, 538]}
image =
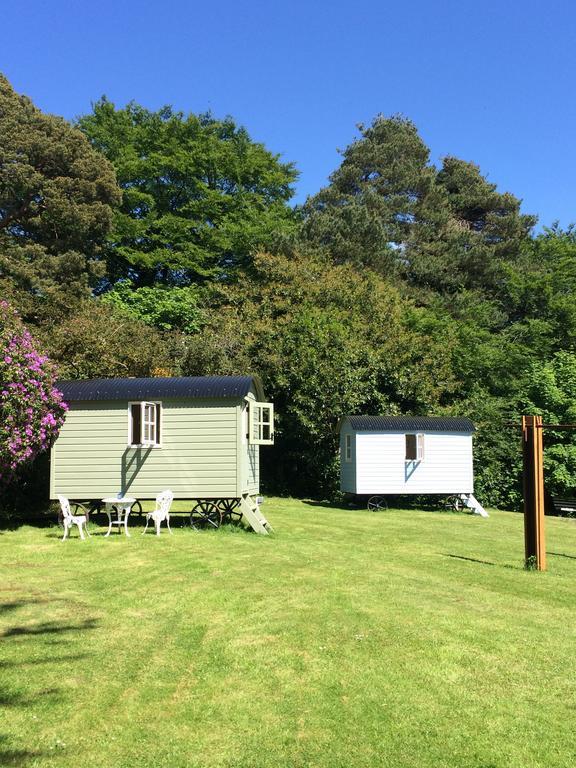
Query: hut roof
{"type": "Point", "coordinates": [410, 424]}
{"type": "Point", "coordinates": [232, 387]}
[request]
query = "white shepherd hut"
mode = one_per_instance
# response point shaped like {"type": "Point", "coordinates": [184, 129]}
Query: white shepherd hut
{"type": "Point", "coordinates": [389, 455]}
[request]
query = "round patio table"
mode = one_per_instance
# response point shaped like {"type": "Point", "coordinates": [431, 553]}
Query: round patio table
{"type": "Point", "coordinates": [122, 506]}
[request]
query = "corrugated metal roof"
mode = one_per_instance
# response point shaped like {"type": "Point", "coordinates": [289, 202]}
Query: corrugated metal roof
{"type": "Point", "coordinates": [410, 424]}
{"type": "Point", "coordinates": [156, 388]}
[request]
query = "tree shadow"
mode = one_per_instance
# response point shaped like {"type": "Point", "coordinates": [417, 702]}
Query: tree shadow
{"type": "Point", "coordinates": [15, 604]}
{"type": "Point", "coordinates": [49, 628]}
{"type": "Point", "coordinates": [11, 753]}
{"type": "Point", "coordinates": [54, 660]}
{"type": "Point", "coordinates": [16, 757]}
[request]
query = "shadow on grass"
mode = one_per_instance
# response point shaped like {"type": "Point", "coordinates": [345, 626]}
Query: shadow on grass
{"type": "Point", "coordinates": [344, 506]}
{"type": "Point", "coordinates": [561, 554]}
{"type": "Point", "coordinates": [15, 604]}
{"type": "Point", "coordinates": [478, 561]}
{"type": "Point", "coordinates": [49, 628]}
{"type": "Point", "coordinates": [11, 754]}
{"type": "Point", "coordinates": [16, 757]}
{"type": "Point", "coordinates": [52, 660]}
{"type": "Point", "coordinates": [470, 559]}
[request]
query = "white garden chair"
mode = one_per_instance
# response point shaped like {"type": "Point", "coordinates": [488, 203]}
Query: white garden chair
{"type": "Point", "coordinates": [68, 519]}
{"type": "Point", "coordinates": [161, 513]}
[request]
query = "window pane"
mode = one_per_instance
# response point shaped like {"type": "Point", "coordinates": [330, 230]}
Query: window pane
{"type": "Point", "coordinates": [411, 448]}
{"type": "Point", "coordinates": [157, 424]}
{"type": "Point", "coordinates": [136, 435]}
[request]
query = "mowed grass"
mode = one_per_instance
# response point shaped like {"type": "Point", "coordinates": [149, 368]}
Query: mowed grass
{"type": "Point", "coordinates": [347, 639]}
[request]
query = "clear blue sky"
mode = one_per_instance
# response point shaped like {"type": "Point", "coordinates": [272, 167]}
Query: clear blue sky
{"type": "Point", "coordinates": [491, 82]}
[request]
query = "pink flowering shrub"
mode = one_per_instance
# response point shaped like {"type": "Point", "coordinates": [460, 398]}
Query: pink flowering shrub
{"type": "Point", "coordinates": [31, 408]}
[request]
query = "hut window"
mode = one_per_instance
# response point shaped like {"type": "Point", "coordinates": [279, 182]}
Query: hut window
{"type": "Point", "coordinates": [261, 423]}
{"type": "Point", "coordinates": [145, 423]}
{"type": "Point", "coordinates": [414, 447]}
{"type": "Point", "coordinates": [348, 448]}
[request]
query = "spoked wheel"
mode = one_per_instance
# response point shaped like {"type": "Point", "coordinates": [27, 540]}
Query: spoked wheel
{"type": "Point", "coordinates": [453, 503]}
{"type": "Point", "coordinates": [136, 509]}
{"type": "Point", "coordinates": [75, 509]}
{"type": "Point", "coordinates": [377, 503]}
{"type": "Point", "coordinates": [229, 510]}
{"type": "Point", "coordinates": [205, 514]}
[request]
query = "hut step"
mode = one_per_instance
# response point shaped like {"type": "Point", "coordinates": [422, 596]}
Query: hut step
{"type": "Point", "coordinates": [252, 514]}
{"type": "Point", "coordinates": [473, 504]}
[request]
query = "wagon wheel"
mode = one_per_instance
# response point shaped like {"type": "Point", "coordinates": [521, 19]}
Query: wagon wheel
{"type": "Point", "coordinates": [136, 509]}
{"type": "Point", "coordinates": [75, 509]}
{"type": "Point", "coordinates": [377, 503]}
{"type": "Point", "coordinates": [453, 503]}
{"type": "Point", "coordinates": [79, 509]}
{"type": "Point", "coordinates": [205, 513]}
{"type": "Point", "coordinates": [228, 510]}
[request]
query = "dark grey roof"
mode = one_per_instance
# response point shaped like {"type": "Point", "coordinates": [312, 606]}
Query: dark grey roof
{"type": "Point", "coordinates": [410, 424]}
{"type": "Point", "coordinates": [155, 388]}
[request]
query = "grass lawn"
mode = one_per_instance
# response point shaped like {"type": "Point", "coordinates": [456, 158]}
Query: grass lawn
{"type": "Point", "coordinates": [348, 639]}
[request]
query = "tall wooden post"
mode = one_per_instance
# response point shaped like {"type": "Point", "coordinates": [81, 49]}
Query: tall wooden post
{"type": "Point", "coordinates": [534, 537]}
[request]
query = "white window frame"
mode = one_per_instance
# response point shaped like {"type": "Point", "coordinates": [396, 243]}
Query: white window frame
{"type": "Point", "coordinates": [146, 405]}
{"type": "Point", "coordinates": [419, 446]}
{"type": "Point", "coordinates": [257, 423]}
{"type": "Point", "coordinates": [348, 447]}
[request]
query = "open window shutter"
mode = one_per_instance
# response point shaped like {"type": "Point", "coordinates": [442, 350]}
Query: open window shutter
{"type": "Point", "coordinates": [420, 447]}
{"type": "Point", "coordinates": [149, 430]}
{"type": "Point", "coordinates": [261, 423]}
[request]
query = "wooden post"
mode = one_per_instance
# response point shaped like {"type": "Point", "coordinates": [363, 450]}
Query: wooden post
{"type": "Point", "coordinates": [534, 536]}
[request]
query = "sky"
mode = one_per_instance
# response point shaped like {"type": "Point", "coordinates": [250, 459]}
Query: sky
{"type": "Point", "coordinates": [490, 82]}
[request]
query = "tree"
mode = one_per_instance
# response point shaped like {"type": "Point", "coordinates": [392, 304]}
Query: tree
{"type": "Point", "coordinates": [327, 341]}
{"type": "Point", "coordinates": [366, 212]}
{"type": "Point", "coordinates": [31, 408]}
{"type": "Point", "coordinates": [550, 391]}
{"type": "Point", "coordinates": [539, 290]}
{"type": "Point", "coordinates": [199, 195]}
{"type": "Point", "coordinates": [466, 233]}
{"type": "Point", "coordinates": [100, 340]}
{"type": "Point", "coordinates": [56, 198]}
{"type": "Point", "coordinates": [166, 307]}
{"type": "Point", "coordinates": [439, 231]}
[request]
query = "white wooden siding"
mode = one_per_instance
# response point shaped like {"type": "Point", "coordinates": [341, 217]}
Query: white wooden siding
{"type": "Point", "coordinates": [381, 466]}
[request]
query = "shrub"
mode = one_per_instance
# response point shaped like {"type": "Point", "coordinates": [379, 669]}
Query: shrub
{"type": "Point", "coordinates": [31, 407]}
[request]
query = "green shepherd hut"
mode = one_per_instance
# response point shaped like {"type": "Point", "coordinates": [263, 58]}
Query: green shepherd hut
{"type": "Point", "coordinates": [198, 436]}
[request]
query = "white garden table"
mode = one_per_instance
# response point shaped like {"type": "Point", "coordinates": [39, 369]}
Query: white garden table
{"type": "Point", "coordinates": [122, 507]}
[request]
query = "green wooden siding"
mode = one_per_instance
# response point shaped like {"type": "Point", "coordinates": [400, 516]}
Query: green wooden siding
{"type": "Point", "coordinates": [198, 456]}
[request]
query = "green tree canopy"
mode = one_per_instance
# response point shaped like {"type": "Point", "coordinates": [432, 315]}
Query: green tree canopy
{"type": "Point", "coordinates": [387, 207]}
{"type": "Point", "coordinates": [366, 212]}
{"type": "Point", "coordinates": [100, 340]}
{"type": "Point", "coordinates": [199, 195]}
{"type": "Point", "coordinates": [56, 198]}
{"type": "Point", "coordinates": [465, 234]}
{"type": "Point", "coordinates": [327, 340]}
